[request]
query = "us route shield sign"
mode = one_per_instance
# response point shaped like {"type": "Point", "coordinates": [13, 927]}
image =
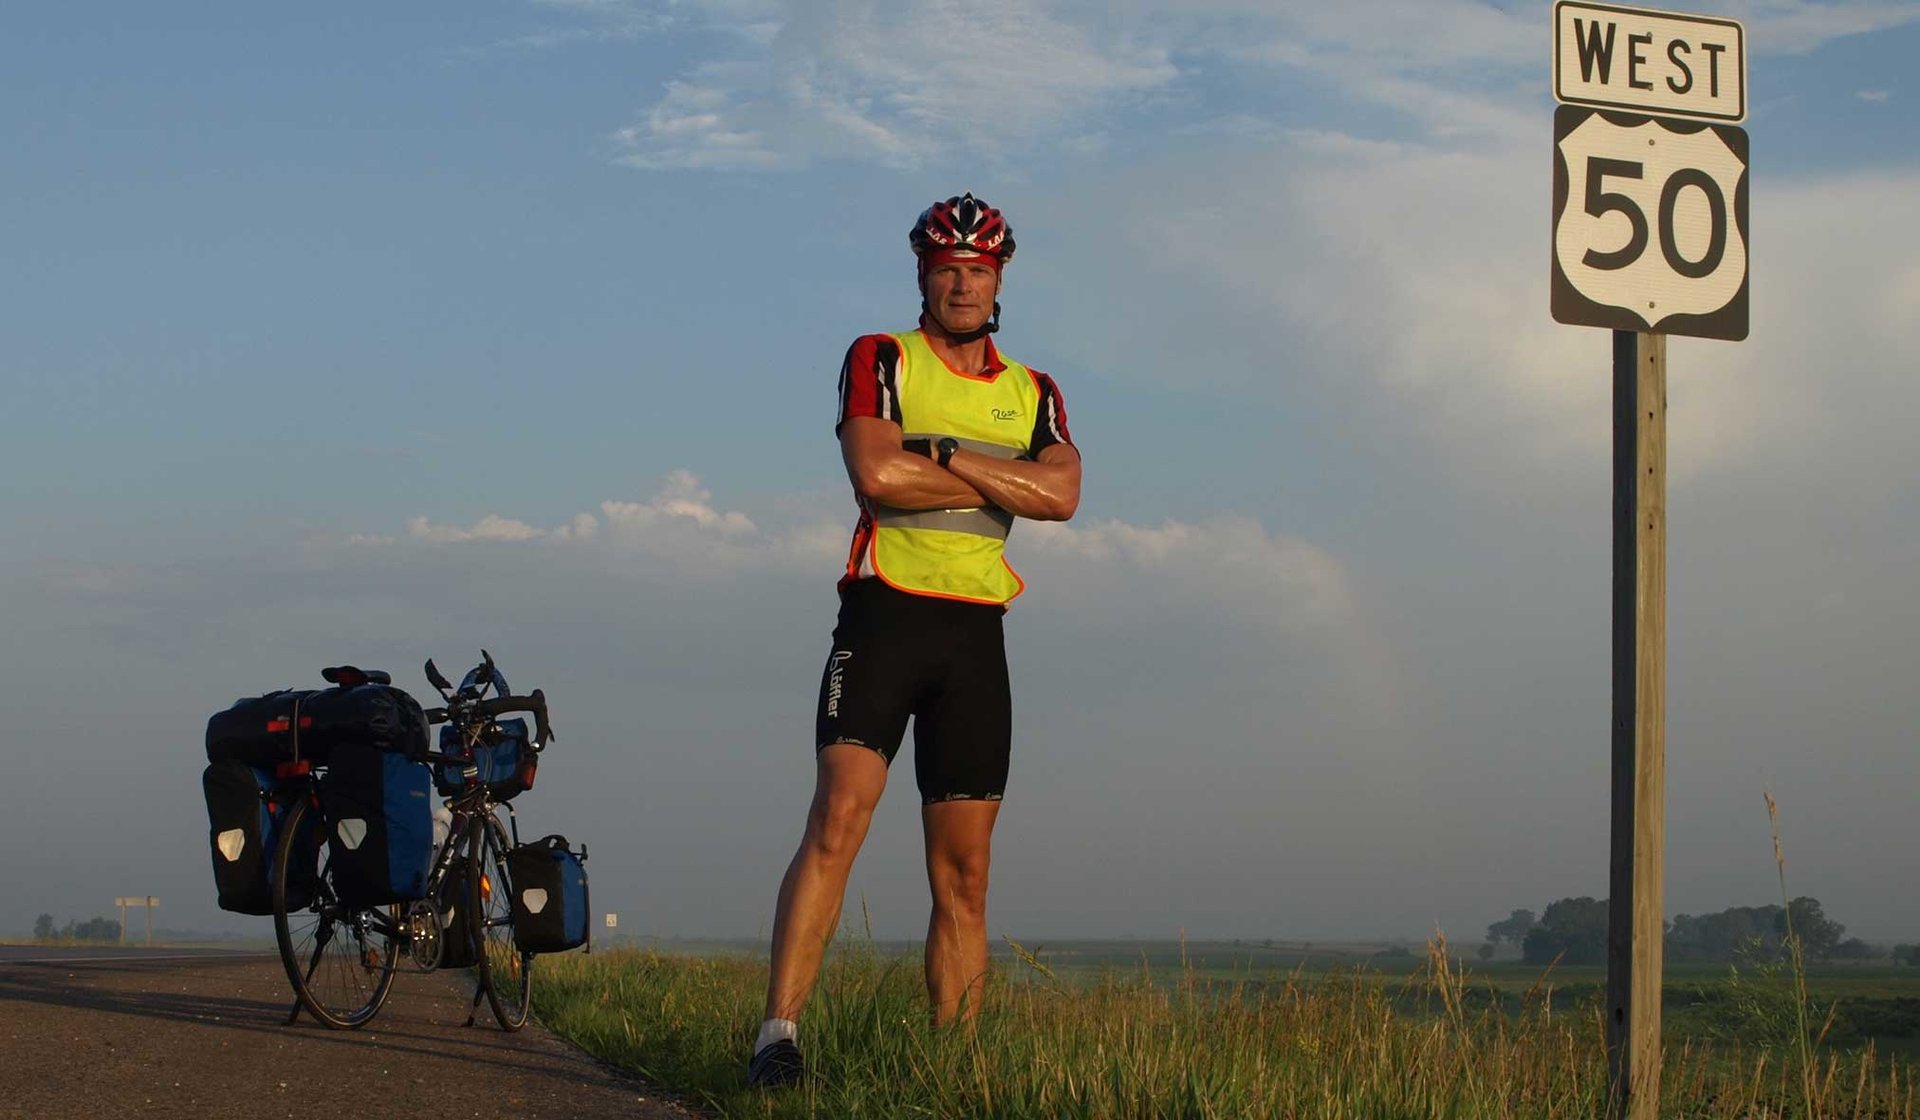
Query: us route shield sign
{"type": "Point", "coordinates": [1649, 223]}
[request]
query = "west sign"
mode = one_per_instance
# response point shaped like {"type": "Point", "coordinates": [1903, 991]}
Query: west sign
{"type": "Point", "coordinates": [1645, 61]}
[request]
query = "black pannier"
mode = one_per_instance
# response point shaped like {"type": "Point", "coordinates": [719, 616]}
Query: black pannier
{"type": "Point", "coordinates": [379, 811]}
{"type": "Point", "coordinates": [549, 883]}
{"type": "Point", "coordinates": [306, 724]}
{"type": "Point", "coordinates": [244, 832]}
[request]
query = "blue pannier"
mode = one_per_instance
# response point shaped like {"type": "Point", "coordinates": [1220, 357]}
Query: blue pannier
{"type": "Point", "coordinates": [506, 765]}
{"type": "Point", "coordinates": [379, 812]}
{"type": "Point", "coordinates": [549, 886]}
{"type": "Point", "coordinates": [244, 833]}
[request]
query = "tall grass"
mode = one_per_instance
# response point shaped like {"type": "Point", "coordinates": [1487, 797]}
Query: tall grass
{"type": "Point", "coordinates": [1134, 1044]}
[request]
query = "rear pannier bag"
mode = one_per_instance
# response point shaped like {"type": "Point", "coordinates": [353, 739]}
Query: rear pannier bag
{"type": "Point", "coordinates": [295, 724]}
{"type": "Point", "coordinates": [379, 813]}
{"type": "Point", "coordinates": [506, 765]}
{"type": "Point", "coordinates": [244, 833]}
{"type": "Point", "coordinates": [549, 886]}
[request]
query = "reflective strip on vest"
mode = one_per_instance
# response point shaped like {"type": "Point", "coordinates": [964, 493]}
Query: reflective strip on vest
{"type": "Point", "coordinates": [981, 521]}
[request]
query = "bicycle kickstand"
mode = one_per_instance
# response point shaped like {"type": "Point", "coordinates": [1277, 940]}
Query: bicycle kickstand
{"type": "Point", "coordinates": [479, 993]}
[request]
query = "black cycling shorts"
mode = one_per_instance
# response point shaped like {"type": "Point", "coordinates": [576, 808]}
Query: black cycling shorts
{"type": "Point", "coordinates": [940, 661]}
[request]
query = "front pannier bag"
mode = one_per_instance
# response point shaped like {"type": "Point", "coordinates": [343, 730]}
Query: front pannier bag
{"type": "Point", "coordinates": [549, 896]}
{"type": "Point", "coordinates": [244, 833]}
{"type": "Point", "coordinates": [379, 811]}
{"type": "Point", "coordinates": [506, 765]}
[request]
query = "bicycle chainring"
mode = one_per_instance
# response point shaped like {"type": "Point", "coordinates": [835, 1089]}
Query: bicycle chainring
{"type": "Point", "coordinates": [424, 942]}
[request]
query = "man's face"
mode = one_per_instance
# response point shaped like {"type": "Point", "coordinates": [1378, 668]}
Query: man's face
{"type": "Point", "coordinates": [960, 294]}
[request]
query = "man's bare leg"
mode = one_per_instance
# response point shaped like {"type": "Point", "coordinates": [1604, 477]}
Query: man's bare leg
{"type": "Point", "coordinates": [848, 781]}
{"type": "Point", "coordinates": [959, 848]}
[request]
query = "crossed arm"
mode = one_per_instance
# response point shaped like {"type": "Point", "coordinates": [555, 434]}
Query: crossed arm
{"type": "Point", "coordinates": [1043, 489]}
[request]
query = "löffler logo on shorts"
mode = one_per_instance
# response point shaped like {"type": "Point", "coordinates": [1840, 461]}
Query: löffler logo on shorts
{"type": "Point", "coordinates": [837, 664]}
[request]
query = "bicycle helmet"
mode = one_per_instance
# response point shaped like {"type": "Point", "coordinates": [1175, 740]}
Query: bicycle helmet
{"type": "Point", "coordinates": [963, 225]}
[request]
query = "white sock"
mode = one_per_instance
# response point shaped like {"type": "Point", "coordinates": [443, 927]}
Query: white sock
{"type": "Point", "coordinates": [773, 1030]}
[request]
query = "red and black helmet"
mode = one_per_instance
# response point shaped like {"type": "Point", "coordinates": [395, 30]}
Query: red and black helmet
{"type": "Point", "coordinates": [965, 224]}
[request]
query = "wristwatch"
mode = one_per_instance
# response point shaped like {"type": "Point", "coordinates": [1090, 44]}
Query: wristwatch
{"type": "Point", "coordinates": [947, 445]}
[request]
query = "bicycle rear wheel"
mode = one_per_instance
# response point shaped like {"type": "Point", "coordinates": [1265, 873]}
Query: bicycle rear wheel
{"type": "Point", "coordinates": [340, 960]}
{"type": "Point", "coordinates": [506, 974]}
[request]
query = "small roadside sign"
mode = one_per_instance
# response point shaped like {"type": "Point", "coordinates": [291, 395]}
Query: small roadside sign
{"type": "Point", "coordinates": [1614, 57]}
{"type": "Point", "coordinates": [613, 921]}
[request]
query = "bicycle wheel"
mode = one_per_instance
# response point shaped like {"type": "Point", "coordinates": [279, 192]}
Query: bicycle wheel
{"type": "Point", "coordinates": [339, 960]}
{"type": "Point", "coordinates": [506, 974]}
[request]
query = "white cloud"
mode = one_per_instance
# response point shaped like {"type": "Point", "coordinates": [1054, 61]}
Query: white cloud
{"type": "Point", "coordinates": [1875, 96]}
{"type": "Point", "coordinates": [1412, 282]}
{"type": "Point", "coordinates": [1232, 563]}
{"type": "Point", "coordinates": [489, 528]}
{"type": "Point", "coordinates": [1231, 568]}
{"type": "Point", "coordinates": [1799, 26]}
{"type": "Point", "coordinates": [907, 83]}
{"type": "Point", "coordinates": [592, 21]}
{"type": "Point", "coordinates": [899, 84]}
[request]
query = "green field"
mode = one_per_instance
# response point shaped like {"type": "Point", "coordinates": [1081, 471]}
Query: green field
{"type": "Point", "coordinates": [1233, 1029]}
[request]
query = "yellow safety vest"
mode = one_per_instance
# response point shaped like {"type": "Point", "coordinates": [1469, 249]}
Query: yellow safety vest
{"type": "Point", "coordinates": [958, 553]}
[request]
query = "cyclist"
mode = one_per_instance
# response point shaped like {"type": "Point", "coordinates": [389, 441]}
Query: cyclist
{"type": "Point", "coordinates": [946, 441]}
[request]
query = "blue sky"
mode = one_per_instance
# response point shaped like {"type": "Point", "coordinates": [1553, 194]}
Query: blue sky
{"type": "Point", "coordinates": [374, 333]}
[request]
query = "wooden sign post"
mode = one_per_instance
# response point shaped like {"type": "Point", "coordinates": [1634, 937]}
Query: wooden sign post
{"type": "Point", "coordinates": [1650, 239]}
{"type": "Point", "coordinates": [1635, 913]}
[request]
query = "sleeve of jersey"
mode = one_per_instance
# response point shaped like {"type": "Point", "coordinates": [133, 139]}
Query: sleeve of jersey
{"type": "Point", "coordinates": [869, 380]}
{"type": "Point", "coordinates": [1050, 419]}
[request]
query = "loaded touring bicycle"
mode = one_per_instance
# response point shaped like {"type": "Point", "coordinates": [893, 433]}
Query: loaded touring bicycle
{"type": "Point", "coordinates": [322, 811]}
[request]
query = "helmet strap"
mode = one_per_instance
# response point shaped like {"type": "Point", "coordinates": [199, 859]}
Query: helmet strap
{"type": "Point", "coordinates": [975, 335]}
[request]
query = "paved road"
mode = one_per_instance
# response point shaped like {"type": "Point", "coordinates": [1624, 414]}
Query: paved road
{"type": "Point", "coordinates": [162, 1033]}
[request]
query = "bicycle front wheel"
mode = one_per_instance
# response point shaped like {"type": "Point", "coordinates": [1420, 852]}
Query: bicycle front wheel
{"type": "Point", "coordinates": [340, 960]}
{"type": "Point", "coordinates": [506, 973]}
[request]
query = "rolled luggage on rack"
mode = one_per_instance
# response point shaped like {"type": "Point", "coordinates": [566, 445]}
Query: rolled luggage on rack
{"type": "Point", "coordinates": [296, 725]}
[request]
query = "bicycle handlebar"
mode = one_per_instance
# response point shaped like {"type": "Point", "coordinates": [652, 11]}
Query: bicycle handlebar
{"type": "Point", "coordinates": [535, 703]}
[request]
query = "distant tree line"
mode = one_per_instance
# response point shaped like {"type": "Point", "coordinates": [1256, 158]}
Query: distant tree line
{"type": "Point", "coordinates": [1574, 931]}
{"type": "Point", "coordinates": [93, 929]}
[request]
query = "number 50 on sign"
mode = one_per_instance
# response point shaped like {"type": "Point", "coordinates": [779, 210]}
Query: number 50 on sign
{"type": "Point", "coordinates": [1649, 224]}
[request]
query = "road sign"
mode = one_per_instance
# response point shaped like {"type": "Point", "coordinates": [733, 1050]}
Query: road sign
{"type": "Point", "coordinates": [1659, 62]}
{"type": "Point", "coordinates": [1649, 224]}
{"type": "Point", "coordinates": [613, 921]}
